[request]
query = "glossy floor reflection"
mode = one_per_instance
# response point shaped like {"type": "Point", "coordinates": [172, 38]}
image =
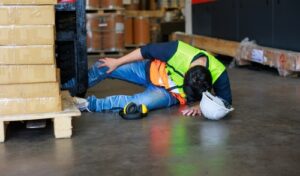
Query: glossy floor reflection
{"type": "Point", "coordinates": [261, 137]}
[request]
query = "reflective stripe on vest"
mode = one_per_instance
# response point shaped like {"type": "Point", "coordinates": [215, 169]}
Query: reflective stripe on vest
{"type": "Point", "coordinates": [159, 77]}
{"type": "Point", "coordinates": [158, 74]}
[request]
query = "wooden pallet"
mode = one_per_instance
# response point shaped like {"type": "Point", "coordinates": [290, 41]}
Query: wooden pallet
{"type": "Point", "coordinates": [286, 62]}
{"type": "Point", "coordinates": [62, 120]}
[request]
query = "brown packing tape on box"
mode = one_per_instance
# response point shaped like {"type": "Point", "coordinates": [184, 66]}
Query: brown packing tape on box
{"type": "Point", "coordinates": [27, 15]}
{"type": "Point", "coordinates": [33, 90]}
{"type": "Point", "coordinates": [58, 75]}
{"type": "Point", "coordinates": [16, 74]}
{"type": "Point", "coordinates": [30, 105]}
{"type": "Point", "coordinates": [27, 35]}
{"type": "Point", "coordinates": [37, 54]}
{"type": "Point", "coordinates": [26, 2]}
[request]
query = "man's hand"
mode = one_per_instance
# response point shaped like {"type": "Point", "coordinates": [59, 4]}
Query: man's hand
{"type": "Point", "coordinates": [111, 63]}
{"type": "Point", "coordinates": [192, 111]}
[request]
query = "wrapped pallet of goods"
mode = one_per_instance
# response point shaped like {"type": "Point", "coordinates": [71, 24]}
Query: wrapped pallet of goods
{"type": "Point", "coordinates": [105, 32]}
{"type": "Point", "coordinates": [23, 15]}
{"type": "Point", "coordinates": [19, 74]}
{"type": "Point", "coordinates": [112, 30]}
{"type": "Point", "coordinates": [27, 57]}
{"type": "Point", "coordinates": [105, 28]}
{"type": "Point", "coordinates": [24, 35]}
{"type": "Point", "coordinates": [33, 54]}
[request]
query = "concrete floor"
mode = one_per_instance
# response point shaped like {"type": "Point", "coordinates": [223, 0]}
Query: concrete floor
{"type": "Point", "coordinates": [261, 137]}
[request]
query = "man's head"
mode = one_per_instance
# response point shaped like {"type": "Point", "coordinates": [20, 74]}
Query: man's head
{"type": "Point", "coordinates": [197, 80]}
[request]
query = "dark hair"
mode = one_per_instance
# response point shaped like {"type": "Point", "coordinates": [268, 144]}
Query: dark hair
{"type": "Point", "coordinates": [197, 80]}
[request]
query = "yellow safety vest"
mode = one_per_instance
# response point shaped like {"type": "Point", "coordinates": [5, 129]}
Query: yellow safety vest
{"type": "Point", "coordinates": [179, 64]}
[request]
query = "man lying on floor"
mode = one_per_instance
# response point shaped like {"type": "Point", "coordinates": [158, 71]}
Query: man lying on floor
{"type": "Point", "coordinates": [172, 73]}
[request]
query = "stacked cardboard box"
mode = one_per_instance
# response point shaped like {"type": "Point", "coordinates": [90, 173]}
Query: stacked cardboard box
{"type": "Point", "coordinates": [28, 75]}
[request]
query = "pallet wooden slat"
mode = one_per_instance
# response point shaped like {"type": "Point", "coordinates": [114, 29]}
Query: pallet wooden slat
{"type": "Point", "coordinates": [214, 45]}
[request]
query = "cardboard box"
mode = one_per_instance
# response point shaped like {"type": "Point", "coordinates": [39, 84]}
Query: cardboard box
{"type": "Point", "coordinates": [26, 2]}
{"type": "Point", "coordinates": [33, 90]}
{"type": "Point", "coordinates": [37, 54]}
{"type": "Point", "coordinates": [16, 74]}
{"type": "Point", "coordinates": [27, 35]}
{"type": "Point", "coordinates": [30, 105]}
{"type": "Point", "coordinates": [27, 15]}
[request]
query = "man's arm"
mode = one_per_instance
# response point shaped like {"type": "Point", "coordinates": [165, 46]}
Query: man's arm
{"type": "Point", "coordinates": [222, 87]}
{"type": "Point", "coordinates": [112, 63]}
{"type": "Point", "coordinates": [161, 51]}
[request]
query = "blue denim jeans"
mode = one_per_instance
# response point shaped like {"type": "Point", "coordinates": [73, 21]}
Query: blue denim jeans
{"type": "Point", "coordinates": [153, 97]}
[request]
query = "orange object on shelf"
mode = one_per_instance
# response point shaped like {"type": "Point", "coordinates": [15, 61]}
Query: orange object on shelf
{"type": "Point", "coordinates": [105, 32]}
{"type": "Point", "coordinates": [141, 30]}
{"type": "Point", "coordinates": [112, 41]}
{"type": "Point", "coordinates": [111, 4]}
{"type": "Point", "coordinates": [128, 30]}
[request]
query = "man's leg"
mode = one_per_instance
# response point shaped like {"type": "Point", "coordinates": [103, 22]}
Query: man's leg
{"type": "Point", "coordinates": [153, 97]}
{"type": "Point", "coordinates": [95, 75]}
{"type": "Point", "coordinates": [133, 72]}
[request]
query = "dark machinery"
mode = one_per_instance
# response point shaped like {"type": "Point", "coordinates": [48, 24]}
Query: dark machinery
{"type": "Point", "coordinates": [71, 53]}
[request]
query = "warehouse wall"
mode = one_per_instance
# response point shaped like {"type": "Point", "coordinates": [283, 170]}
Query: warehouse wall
{"type": "Point", "coordinates": [271, 23]}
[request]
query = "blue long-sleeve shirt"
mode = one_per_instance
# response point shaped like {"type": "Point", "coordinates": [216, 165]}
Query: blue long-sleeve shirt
{"type": "Point", "coordinates": [165, 51]}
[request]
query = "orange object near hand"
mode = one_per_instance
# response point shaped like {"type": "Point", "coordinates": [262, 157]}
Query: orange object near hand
{"type": "Point", "coordinates": [159, 77]}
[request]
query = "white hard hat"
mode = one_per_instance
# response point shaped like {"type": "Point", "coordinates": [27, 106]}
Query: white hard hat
{"type": "Point", "coordinates": [213, 107]}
